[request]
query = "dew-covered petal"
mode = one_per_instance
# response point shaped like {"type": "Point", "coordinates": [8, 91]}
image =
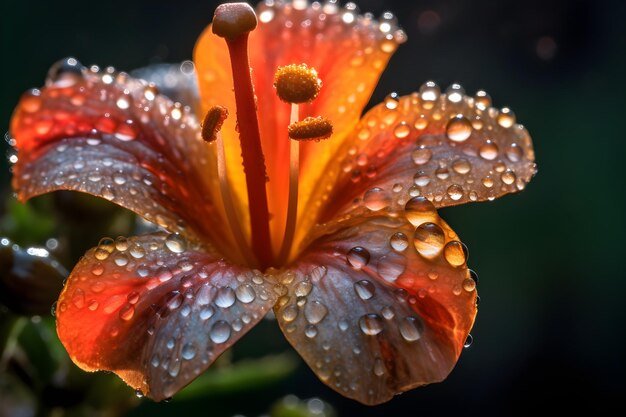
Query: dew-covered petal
{"type": "Point", "coordinates": [349, 52]}
{"type": "Point", "coordinates": [449, 148]}
{"type": "Point", "coordinates": [156, 310]}
{"type": "Point", "coordinates": [376, 307]}
{"type": "Point", "coordinates": [113, 136]}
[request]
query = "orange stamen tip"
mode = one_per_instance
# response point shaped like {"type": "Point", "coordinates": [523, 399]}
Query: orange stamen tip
{"type": "Point", "coordinates": [232, 20]}
{"type": "Point", "coordinates": [297, 83]}
{"type": "Point", "coordinates": [213, 122]}
{"type": "Point", "coordinates": [311, 128]}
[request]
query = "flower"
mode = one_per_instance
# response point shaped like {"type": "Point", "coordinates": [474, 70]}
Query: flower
{"type": "Point", "coordinates": [340, 237]}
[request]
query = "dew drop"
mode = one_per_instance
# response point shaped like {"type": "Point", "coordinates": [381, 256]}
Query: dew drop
{"type": "Point", "coordinates": [188, 352]}
{"type": "Point", "coordinates": [225, 297]}
{"type": "Point", "coordinates": [455, 192]}
{"type": "Point", "coordinates": [388, 312]}
{"type": "Point", "coordinates": [514, 152]}
{"type": "Point", "coordinates": [127, 312]}
{"type": "Point", "coordinates": [421, 155]}
{"type": "Point", "coordinates": [220, 332]}
{"type": "Point", "coordinates": [402, 130]}
{"type": "Point", "coordinates": [487, 181]}
{"type": "Point", "coordinates": [482, 100]}
{"type": "Point", "coordinates": [429, 93]}
{"type": "Point", "coordinates": [459, 129]}
{"type": "Point", "coordinates": [176, 243]}
{"type": "Point", "coordinates": [421, 179]}
{"type": "Point", "coordinates": [174, 300]}
{"type": "Point", "coordinates": [371, 324]}
{"type": "Point", "coordinates": [358, 257]}
{"type": "Point", "coordinates": [314, 312]}
{"type": "Point", "coordinates": [488, 150]}
{"type": "Point", "coordinates": [376, 199]}
{"type": "Point", "coordinates": [399, 242]}
{"type": "Point", "coordinates": [391, 101]}
{"type": "Point", "coordinates": [469, 284]}
{"type": "Point", "coordinates": [461, 166]}
{"type": "Point", "coordinates": [455, 93]}
{"type": "Point", "coordinates": [468, 342]}
{"type": "Point", "coordinates": [429, 239]}
{"type": "Point", "coordinates": [303, 288]}
{"type": "Point", "coordinates": [364, 289]}
{"type": "Point", "coordinates": [506, 118]}
{"type": "Point", "coordinates": [390, 267]}
{"type": "Point", "coordinates": [290, 313]}
{"type": "Point", "coordinates": [508, 177]}
{"type": "Point", "coordinates": [310, 331]}
{"type": "Point", "coordinates": [379, 367]}
{"type": "Point", "coordinates": [206, 313]}
{"type": "Point", "coordinates": [455, 253]}
{"type": "Point", "coordinates": [137, 252]}
{"type": "Point", "coordinates": [411, 328]}
{"type": "Point", "coordinates": [343, 325]}
{"type": "Point", "coordinates": [245, 293]}
{"type": "Point", "coordinates": [419, 210]}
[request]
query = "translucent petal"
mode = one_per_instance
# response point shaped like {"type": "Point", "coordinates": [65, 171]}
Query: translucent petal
{"type": "Point", "coordinates": [113, 136]}
{"type": "Point", "coordinates": [376, 307]}
{"type": "Point", "coordinates": [349, 52]}
{"type": "Point", "coordinates": [156, 310]}
{"type": "Point", "coordinates": [450, 152]}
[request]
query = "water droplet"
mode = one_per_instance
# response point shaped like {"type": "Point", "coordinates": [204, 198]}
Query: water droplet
{"type": "Point", "coordinates": [303, 288]}
{"type": "Point", "coordinates": [455, 253]}
{"type": "Point", "coordinates": [429, 93]}
{"type": "Point", "coordinates": [101, 254]}
{"type": "Point", "coordinates": [419, 210]}
{"type": "Point", "coordinates": [388, 312]}
{"type": "Point", "coordinates": [314, 312]}
{"type": "Point", "coordinates": [310, 331]}
{"type": "Point", "coordinates": [127, 312]}
{"type": "Point", "coordinates": [469, 284]}
{"type": "Point", "coordinates": [206, 313]}
{"type": "Point", "coordinates": [487, 181]}
{"type": "Point", "coordinates": [421, 178]}
{"type": "Point", "coordinates": [482, 100]}
{"type": "Point", "coordinates": [390, 267]}
{"type": "Point", "coordinates": [508, 177]}
{"type": "Point", "coordinates": [506, 118]}
{"type": "Point", "coordinates": [402, 130]}
{"type": "Point", "coordinates": [455, 192]}
{"type": "Point", "coordinates": [225, 297]}
{"type": "Point", "coordinates": [473, 275]}
{"type": "Point", "coordinates": [371, 324]}
{"type": "Point", "coordinates": [468, 341]}
{"type": "Point", "coordinates": [376, 199]}
{"type": "Point", "coordinates": [245, 293]}
{"type": "Point", "coordinates": [399, 242]}
{"type": "Point", "coordinates": [421, 155]}
{"type": "Point", "coordinates": [461, 166]}
{"type": "Point", "coordinates": [290, 313]}
{"type": "Point", "coordinates": [455, 93]}
{"type": "Point", "coordinates": [364, 289]}
{"type": "Point", "coordinates": [64, 73]}
{"type": "Point", "coordinates": [358, 257]}
{"type": "Point", "coordinates": [488, 150]}
{"type": "Point", "coordinates": [138, 392]}
{"type": "Point", "coordinates": [188, 352]}
{"type": "Point", "coordinates": [78, 299]}
{"type": "Point", "coordinates": [176, 243]}
{"type": "Point", "coordinates": [379, 367]}
{"type": "Point", "coordinates": [459, 129]}
{"type": "Point", "coordinates": [442, 173]}
{"type": "Point", "coordinates": [514, 152]}
{"type": "Point", "coordinates": [411, 328]}
{"type": "Point", "coordinates": [429, 239]}
{"type": "Point", "coordinates": [137, 251]}
{"type": "Point", "coordinates": [391, 101]}
{"type": "Point", "coordinates": [220, 332]}
{"type": "Point", "coordinates": [420, 122]}
{"type": "Point", "coordinates": [174, 300]}
{"type": "Point", "coordinates": [343, 325]}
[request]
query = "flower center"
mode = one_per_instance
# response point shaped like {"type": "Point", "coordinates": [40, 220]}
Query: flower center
{"type": "Point", "coordinates": [294, 84]}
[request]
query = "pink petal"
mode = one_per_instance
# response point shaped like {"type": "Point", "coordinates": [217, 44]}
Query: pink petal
{"type": "Point", "coordinates": [156, 310]}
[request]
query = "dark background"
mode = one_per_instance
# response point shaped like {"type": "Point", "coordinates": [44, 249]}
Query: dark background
{"type": "Point", "coordinates": [551, 322]}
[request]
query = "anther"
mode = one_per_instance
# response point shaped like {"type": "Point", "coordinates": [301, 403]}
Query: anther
{"type": "Point", "coordinates": [297, 83]}
{"type": "Point", "coordinates": [311, 128]}
{"type": "Point", "coordinates": [232, 20]}
{"type": "Point", "coordinates": [213, 122]}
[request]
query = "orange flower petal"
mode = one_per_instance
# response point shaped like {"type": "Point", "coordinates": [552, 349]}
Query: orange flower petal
{"type": "Point", "coordinates": [451, 150]}
{"type": "Point", "coordinates": [371, 315]}
{"type": "Point", "coordinates": [156, 311]}
{"type": "Point", "coordinates": [348, 51]}
{"type": "Point", "coordinates": [113, 136]}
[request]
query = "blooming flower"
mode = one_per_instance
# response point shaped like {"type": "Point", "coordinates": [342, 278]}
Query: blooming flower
{"type": "Point", "coordinates": [340, 237]}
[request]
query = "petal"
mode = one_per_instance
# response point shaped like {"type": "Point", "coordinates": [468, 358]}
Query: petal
{"type": "Point", "coordinates": [156, 311]}
{"type": "Point", "coordinates": [453, 150]}
{"type": "Point", "coordinates": [113, 136]}
{"type": "Point", "coordinates": [373, 317]}
{"type": "Point", "coordinates": [349, 52]}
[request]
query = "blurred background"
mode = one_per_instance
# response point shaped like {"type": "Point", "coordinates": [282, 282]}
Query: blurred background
{"type": "Point", "coordinates": [551, 324]}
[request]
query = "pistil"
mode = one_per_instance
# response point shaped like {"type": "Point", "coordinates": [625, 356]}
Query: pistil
{"type": "Point", "coordinates": [233, 22]}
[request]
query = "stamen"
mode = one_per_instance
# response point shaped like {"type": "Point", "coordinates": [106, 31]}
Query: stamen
{"type": "Point", "coordinates": [297, 83]}
{"type": "Point", "coordinates": [311, 128]}
{"type": "Point", "coordinates": [234, 21]}
{"type": "Point", "coordinates": [292, 202]}
{"type": "Point", "coordinates": [211, 127]}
